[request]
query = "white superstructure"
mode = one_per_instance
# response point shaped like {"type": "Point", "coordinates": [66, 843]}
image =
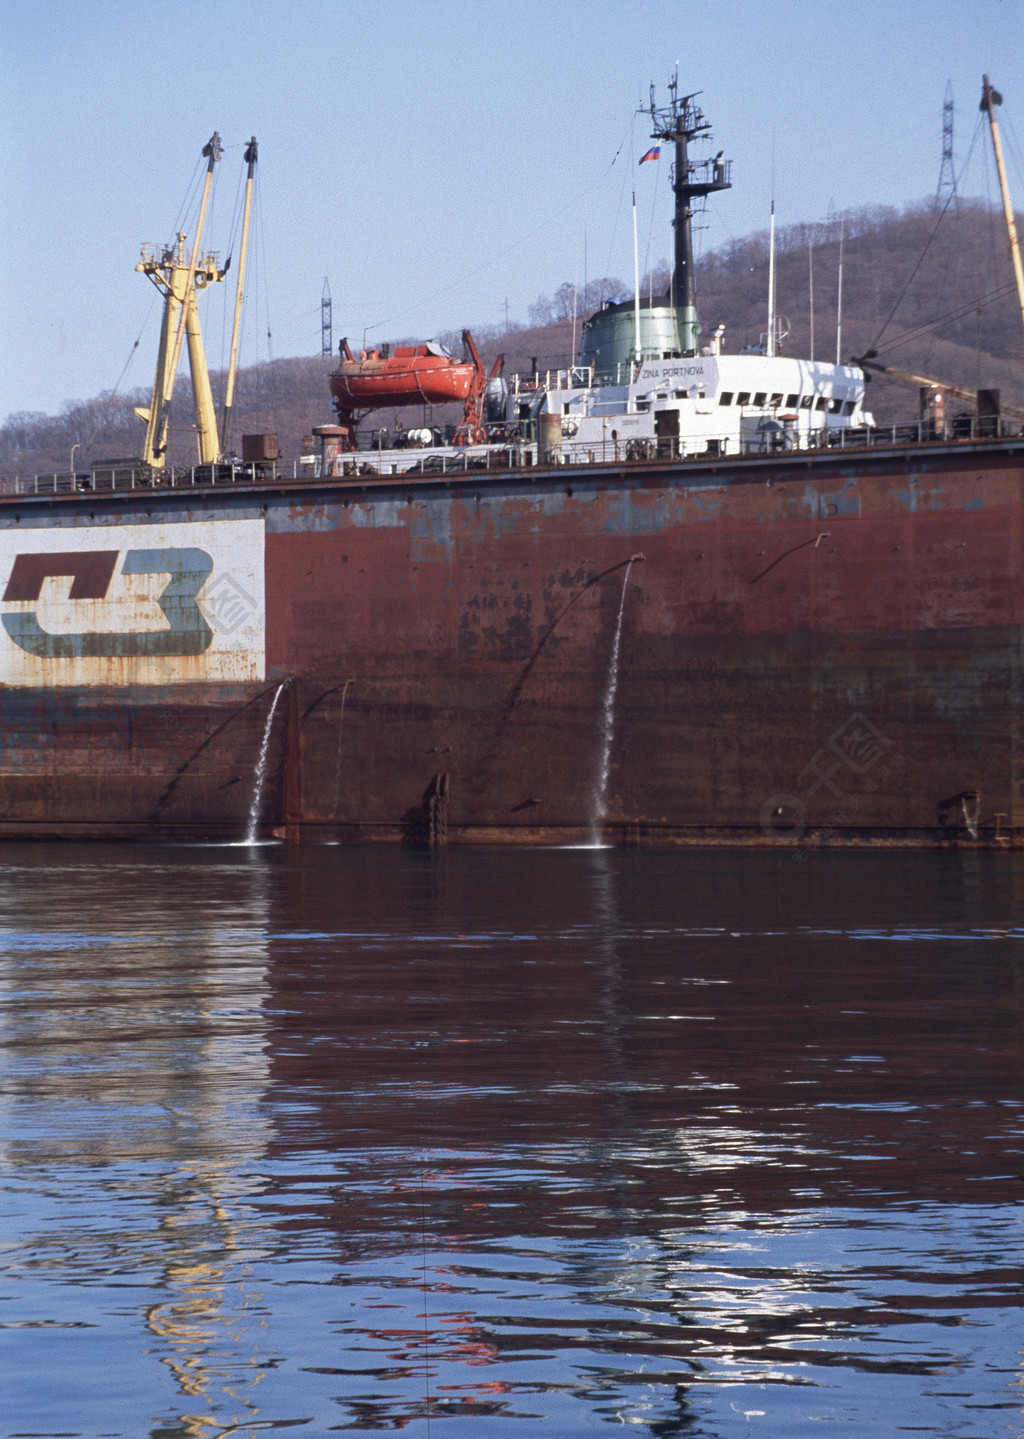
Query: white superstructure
{"type": "Point", "coordinates": [686, 406]}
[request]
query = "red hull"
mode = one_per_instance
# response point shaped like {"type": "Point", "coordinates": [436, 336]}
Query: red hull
{"type": "Point", "coordinates": [820, 648]}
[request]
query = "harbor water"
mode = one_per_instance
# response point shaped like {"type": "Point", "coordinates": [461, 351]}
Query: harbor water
{"type": "Point", "coordinates": [717, 1143]}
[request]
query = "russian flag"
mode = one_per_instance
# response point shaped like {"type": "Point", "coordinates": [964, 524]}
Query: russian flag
{"type": "Point", "coordinates": [652, 154]}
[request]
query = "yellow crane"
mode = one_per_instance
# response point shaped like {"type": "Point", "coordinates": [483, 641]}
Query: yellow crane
{"type": "Point", "coordinates": [180, 277]}
{"type": "Point", "coordinates": [989, 100]}
{"type": "Point", "coordinates": [229, 392]}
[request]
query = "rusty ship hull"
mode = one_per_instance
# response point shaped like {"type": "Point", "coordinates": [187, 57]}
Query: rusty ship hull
{"type": "Point", "coordinates": [812, 648]}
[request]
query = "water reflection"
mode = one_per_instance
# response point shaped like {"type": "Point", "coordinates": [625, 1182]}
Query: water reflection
{"type": "Point", "coordinates": [137, 1067]}
{"type": "Point", "coordinates": [350, 1140]}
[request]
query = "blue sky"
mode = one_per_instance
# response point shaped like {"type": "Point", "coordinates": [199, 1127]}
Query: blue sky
{"type": "Point", "coordinates": [434, 159]}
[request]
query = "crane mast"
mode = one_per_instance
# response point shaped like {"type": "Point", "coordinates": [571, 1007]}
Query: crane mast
{"type": "Point", "coordinates": [229, 391]}
{"type": "Point", "coordinates": [179, 279]}
{"type": "Point", "coordinates": [989, 100]}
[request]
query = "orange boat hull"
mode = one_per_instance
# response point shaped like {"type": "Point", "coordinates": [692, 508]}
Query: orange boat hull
{"type": "Point", "coordinates": [410, 376]}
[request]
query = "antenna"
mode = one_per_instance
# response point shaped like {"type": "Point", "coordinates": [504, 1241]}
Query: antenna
{"type": "Point", "coordinates": [637, 351]}
{"type": "Point", "coordinates": [810, 286]}
{"type": "Point", "coordinates": [326, 323]}
{"type": "Point", "coordinates": [682, 122]}
{"type": "Point", "coordinates": [839, 298]}
{"type": "Point", "coordinates": [770, 347]}
{"type": "Point", "coordinates": [947, 171]}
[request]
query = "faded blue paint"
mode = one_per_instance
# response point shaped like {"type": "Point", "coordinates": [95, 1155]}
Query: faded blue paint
{"type": "Point", "coordinates": [167, 510]}
{"type": "Point", "coordinates": [812, 500]}
{"type": "Point", "coordinates": [286, 516]}
{"type": "Point", "coordinates": [430, 527]}
{"type": "Point", "coordinates": [843, 506]}
{"type": "Point", "coordinates": [375, 514]}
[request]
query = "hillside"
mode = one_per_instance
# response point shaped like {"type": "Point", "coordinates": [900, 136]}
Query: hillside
{"type": "Point", "coordinates": [937, 290]}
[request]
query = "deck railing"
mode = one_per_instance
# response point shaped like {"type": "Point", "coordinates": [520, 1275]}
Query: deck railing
{"type": "Point", "coordinates": [455, 460]}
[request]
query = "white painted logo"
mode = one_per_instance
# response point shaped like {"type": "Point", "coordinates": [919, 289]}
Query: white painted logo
{"type": "Point", "coordinates": [132, 604]}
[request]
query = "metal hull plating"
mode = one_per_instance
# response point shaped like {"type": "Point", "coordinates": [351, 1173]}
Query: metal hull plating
{"type": "Point", "coordinates": [816, 648]}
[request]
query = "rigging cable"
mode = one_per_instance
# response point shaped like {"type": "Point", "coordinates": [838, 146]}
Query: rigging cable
{"type": "Point", "coordinates": [271, 373]}
{"type": "Point", "coordinates": [493, 260]}
{"type": "Point", "coordinates": [105, 412]}
{"type": "Point", "coordinates": [966, 309]}
{"type": "Point", "coordinates": [622, 192]}
{"type": "Point", "coordinates": [920, 261]}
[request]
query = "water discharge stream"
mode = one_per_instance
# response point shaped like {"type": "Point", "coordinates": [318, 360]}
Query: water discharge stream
{"type": "Point", "coordinates": [260, 773]}
{"type": "Point", "coordinates": [337, 757]}
{"type": "Point", "coordinates": [599, 794]}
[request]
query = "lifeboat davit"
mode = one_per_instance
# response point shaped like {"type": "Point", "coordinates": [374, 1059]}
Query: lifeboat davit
{"type": "Point", "coordinates": [407, 375]}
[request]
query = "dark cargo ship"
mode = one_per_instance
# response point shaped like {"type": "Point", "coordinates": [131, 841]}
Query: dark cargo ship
{"type": "Point", "coordinates": [667, 596]}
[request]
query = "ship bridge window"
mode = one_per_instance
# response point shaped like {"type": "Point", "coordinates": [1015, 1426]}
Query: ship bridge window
{"type": "Point", "coordinates": [792, 401]}
{"type": "Point", "coordinates": [760, 398]}
{"type": "Point", "coordinates": [661, 395]}
{"type": "Point", "coordinates": [776, 400]}
{"type": "Point", "coordinates": [679, 394]}
{"type": "Point", "coordinates": [725, 398]}
{"type": "Point", "coordinates": [821, 403]}
{"type": "Point", "coordinates": [849, 407]}
{"type": "Point", "coordinates": [743, 398]}
{"type": "Point", "coordinates": [806, 402]}
{"type": "Point", "coordinates": [642, 406]}
{"type": "Point", "coordinates": [835, 407]}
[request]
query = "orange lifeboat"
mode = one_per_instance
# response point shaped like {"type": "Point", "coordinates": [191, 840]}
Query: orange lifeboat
{"type": "Point", "coordinates": [407, 375]}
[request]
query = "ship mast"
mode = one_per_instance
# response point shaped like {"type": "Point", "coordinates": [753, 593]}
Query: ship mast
{"type": "Point", "coordinates": [229, 392]}
{"type": "Point", "coordinates": [989, 100]}
{"type": "Point", "coordinates": [178, 279]}
{"type": "Point", "coordinates": [681, 122]}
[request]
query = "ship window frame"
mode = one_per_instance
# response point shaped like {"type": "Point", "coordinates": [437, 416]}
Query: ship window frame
{"type": "Point", "coordinates": [725, 398]}
{"type": "Point", "coordinates": [743, 398]}
{"type": "Point", "coordinates": [807, 402]}
{"type": "Point", "coordinates": [759, 398]}
{"type": "Point", "coordinates": [835, 406]}
{"type": "Point", "coordinates": [775, 402]}
{"type": "Point", "coordinates": [792, 401]}
{"type": "Point", "coordinates": [821, 403]}
{"type": "Point", "coordinates": [848, 407]}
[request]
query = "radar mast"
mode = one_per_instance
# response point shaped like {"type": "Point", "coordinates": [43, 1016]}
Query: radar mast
{"type": "Point", "coordinates": [681, 122]}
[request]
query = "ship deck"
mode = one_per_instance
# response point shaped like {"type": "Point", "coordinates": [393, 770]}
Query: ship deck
{"type": "Point", "coordinates": [488, 465]}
